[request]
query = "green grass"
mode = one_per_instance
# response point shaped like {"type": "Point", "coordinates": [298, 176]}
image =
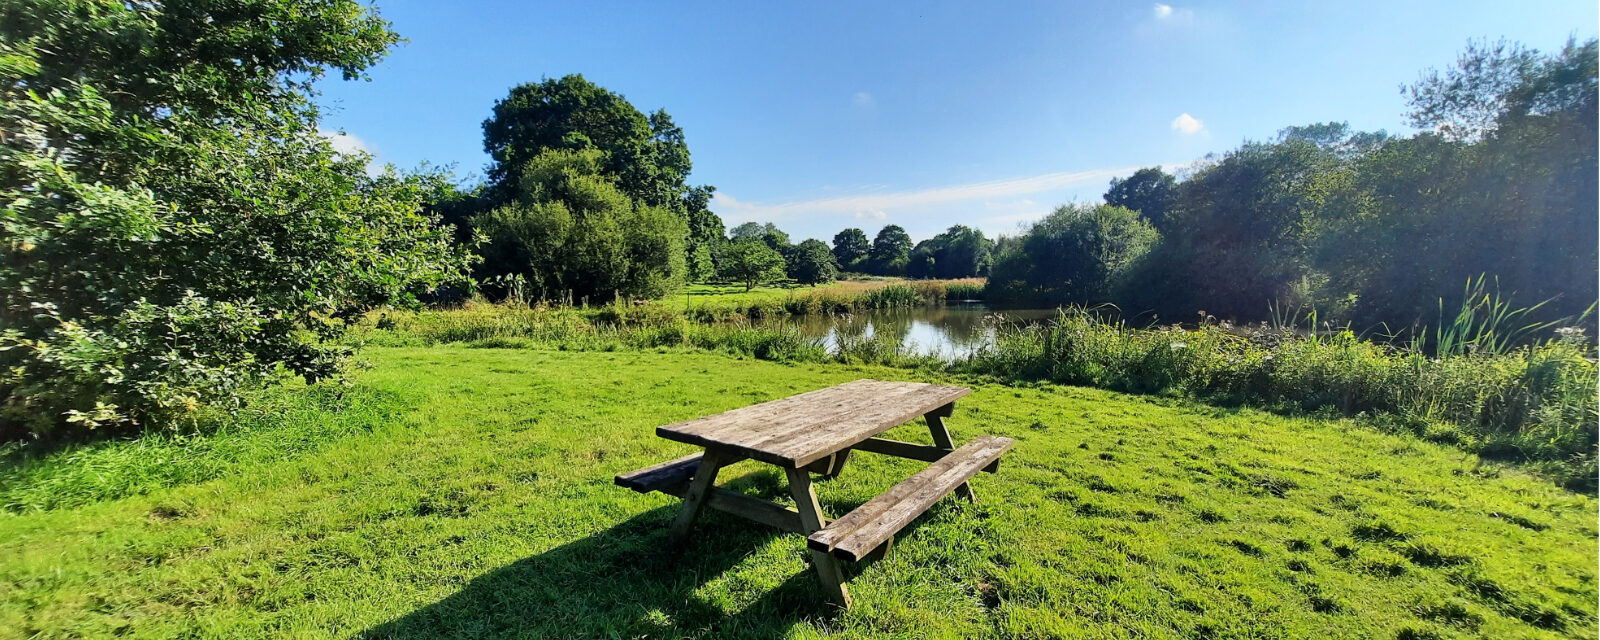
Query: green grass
{"type": "Point", "coordinates": [467, 492]}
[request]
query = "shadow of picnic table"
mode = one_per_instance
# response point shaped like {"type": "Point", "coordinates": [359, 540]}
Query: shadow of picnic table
{"type": "Point", "coordinates": [622, 582]}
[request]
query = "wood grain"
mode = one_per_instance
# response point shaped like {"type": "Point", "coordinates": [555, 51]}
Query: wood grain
{"type": "Point", "coordinates": [861, 531]}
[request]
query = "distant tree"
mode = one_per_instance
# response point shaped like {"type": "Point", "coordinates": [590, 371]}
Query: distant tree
{"type": "Point", "coordinates": [705, 233]}
{"type": "Point", "coordinates": [572, 232]}
{"type": "Point", "coordinates": [922, 262]}
{"type": "Point", "coordinates": [850, 247]}
{"type": "Point", "coordinates": [1077, 254]}
{"type": "Point", "coordinates": [958, 252]}
{"type": "Point", "coordinates": [891, 249]}
{"type": "Point", "coordinates": [751, 261]}
{"type": "Point", "coordinates": [813, 263]}
{"type": "Point", "coordinates": [1149, 191]}
{"type": "Point", "coordinates": [746, 230]}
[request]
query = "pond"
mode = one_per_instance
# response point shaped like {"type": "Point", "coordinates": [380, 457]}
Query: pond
{"type": "Point", "coordinates": [951, 331]}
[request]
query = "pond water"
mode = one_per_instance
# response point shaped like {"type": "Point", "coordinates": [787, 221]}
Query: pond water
{"type": "Point", "coordinates": [952, 331]}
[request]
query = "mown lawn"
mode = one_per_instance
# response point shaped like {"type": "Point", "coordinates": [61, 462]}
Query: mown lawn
{"type": "Point", "coordinates": [467, 493]}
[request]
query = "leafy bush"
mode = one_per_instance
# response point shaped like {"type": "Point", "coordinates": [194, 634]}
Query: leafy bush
{"type": "Point", "coordinates": [571, 233]}
{"type": "Point", "coordinates": [1530, 404]}
{"type": "Point", "coordinates": [177, 227]}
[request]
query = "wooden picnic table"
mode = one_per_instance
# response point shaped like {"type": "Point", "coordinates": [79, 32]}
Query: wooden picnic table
{"type": "Point", "coordinates": [815, 432]}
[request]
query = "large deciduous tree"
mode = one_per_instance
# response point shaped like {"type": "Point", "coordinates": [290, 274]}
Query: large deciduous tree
{"type": "Point", "coordinates": [891, 250]}
{"type": "Point", "coordinates": [1150, 191]}
{"type": "Point", "coordinates": [645, 156]}
{"type": "Point", "coordinates": [176, 226]}
{"type": "Point", "coordinates": [813, 263]}
{"type": "Point", "coordinates": [850, 248]}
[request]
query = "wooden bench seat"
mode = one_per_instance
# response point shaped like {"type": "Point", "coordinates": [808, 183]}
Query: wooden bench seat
{"type": "Point", "coordinates": [870, 525]}
{"type": "Point", "coordinates": [662, 477]}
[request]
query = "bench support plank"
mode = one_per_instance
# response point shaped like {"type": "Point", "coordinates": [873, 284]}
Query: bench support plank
{"type": "Point", "coordinates": [761, 511]}
{"type": "Point", "coordinates": [694, 498]}
{"type": "Point", "coordinates": [828, 570]}
{"type": "Point", "coordinates": [941, 439]}
{"type": "Point", "coordinates": [910, 451]}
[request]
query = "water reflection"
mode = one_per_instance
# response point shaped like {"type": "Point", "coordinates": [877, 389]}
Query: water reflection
{"type": "Point", "coordinates": [949, 331]}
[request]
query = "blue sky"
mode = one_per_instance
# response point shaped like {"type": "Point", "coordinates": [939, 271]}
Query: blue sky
{"type": "Point", "coordinates": [821, 116]}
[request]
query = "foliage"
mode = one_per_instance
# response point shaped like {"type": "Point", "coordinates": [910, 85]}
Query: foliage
{"type": "Point", "coordinates": [752, 262]}
{"type": "Point", "coordinates": [1149, 191]}
{"type": "Point", "coordinates": [1530, 403]}
{"type": "Point", "coordinates": [958, 252]}
{"type": "Point", "coordinates": [572, 234]}
{"type": "Point", "coordinates": [645, 157]}
{"type": "Point", "coordinates": [177, 227]}
{"type": "Point", "coordinates": [1076, 254]}
{"type": "Point", "coordinates": [891, 250]}
{"type": "Point", "coordinates": [851, 249]}
{"type": "Point", "coordinates": [813, 263]}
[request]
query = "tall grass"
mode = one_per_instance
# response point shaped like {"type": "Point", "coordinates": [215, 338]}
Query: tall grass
{"type": "Point", "coordinates": [1487, 322]}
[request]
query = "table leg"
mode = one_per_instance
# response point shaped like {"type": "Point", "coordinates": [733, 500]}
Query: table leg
{"type": "Point", "coordinates": [805, 499]}
{"type": "Point", "coordinates": [941, 439]}
{"type": "Point", "coordinates": [830, 466]}
{"type": "Point", "coordinates": [694, 499]}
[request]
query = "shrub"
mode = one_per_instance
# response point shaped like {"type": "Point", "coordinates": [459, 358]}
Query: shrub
{"type": "Point", "coordinates": [177, 226]}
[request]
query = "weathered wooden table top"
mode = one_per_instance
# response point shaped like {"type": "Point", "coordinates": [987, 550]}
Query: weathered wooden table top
{"type": "Point", "coordinates": [798, 430]}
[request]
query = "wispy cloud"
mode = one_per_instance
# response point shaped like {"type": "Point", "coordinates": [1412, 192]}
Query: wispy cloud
{"type": "Point", "coordinates": [1163, 11]}
{"type": "Point", "coordinates": [879, 206]}
{"type": "Point", "coordinates": [1188, 125]}
{"type": "Point", "coordinates": [863, 99]}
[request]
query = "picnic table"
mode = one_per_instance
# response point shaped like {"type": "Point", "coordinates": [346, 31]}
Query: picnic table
{"type": "Point", "coordinates": [816, 432]}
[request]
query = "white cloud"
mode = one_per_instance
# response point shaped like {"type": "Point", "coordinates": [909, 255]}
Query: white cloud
{"type": "Point", "coordinates": [880, 206]}
{"type": "Point", "coordinates": [863, 99]}
{"type": "Point", "coordinates": [345, 143]}
{"type": "Point", "coordinates": [1163, 11]}
{"type": "Point", "coordinates": [1187, 125]}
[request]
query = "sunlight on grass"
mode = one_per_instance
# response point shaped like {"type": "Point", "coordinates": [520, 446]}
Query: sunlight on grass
{"type": "Point", "coordinates": [486, 507]}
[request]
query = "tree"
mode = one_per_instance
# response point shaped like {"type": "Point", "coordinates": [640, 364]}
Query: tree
{"type": "Point", "coordinates": [571, 233]}
{"type": "Point", "coordinates": [813, 263]}
{"type": "Point", "coordinates": [706, 233]}
{"type": "Point", "coordinates": [177, 227]}
{"type": "Point", "coordinates": [1077, 254]}
{"type": "Point", "coordinates": [646, 157]}
{"type": "Point", "coordinates": [1503, 186]}
{"type": "Point", "coordinates": [958, 252]}
{"type": "Point", "coordinates": [850, 247]}
{"type": "Point", "coordinates": [891, 249]}
{"type": "Point", "coordinates": [751, 261]}
{"type": "Point", "coordinates": [1149, 191]}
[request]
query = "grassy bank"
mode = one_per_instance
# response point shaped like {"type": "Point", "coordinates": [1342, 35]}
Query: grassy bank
{"type": "Point", "coordinates": [1535, 407]}
{"type": "Point", "coordinates": [470, 495]}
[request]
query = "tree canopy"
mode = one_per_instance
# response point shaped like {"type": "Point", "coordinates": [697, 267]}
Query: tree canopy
{"type": "Point", "coordinates": [645, 157]}
{"type": "Point", "coordinates": [850, 248]}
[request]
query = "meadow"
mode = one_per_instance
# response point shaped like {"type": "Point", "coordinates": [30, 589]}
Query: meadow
{"type": "Point", "coordinates": [456, 491]}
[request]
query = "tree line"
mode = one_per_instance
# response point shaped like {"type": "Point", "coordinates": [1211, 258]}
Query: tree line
{"type": "Point", "coordinates": [1379, 231]}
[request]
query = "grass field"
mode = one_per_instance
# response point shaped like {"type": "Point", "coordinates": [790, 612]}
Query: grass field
{"type": "Point", "coordinates": [459, 492]}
